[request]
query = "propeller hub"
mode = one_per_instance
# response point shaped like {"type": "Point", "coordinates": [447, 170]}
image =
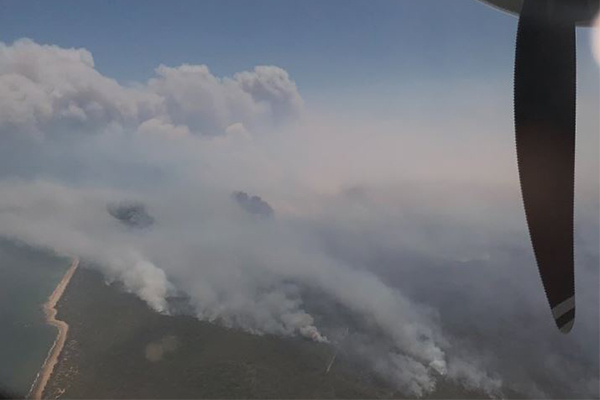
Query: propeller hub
{"type": "Point", "coordinates": [579, 12]}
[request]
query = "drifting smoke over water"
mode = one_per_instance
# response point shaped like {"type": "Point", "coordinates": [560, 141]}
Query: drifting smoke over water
{"type": "Point", "coordinates": [416, 236]}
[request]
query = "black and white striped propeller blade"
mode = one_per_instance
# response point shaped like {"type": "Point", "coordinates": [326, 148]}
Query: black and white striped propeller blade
{"type": "Point", "coordinates": [544, 101]}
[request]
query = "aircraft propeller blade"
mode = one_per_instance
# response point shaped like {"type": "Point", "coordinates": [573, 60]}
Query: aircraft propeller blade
{"type": "Point", "coordinates": [544, 101]}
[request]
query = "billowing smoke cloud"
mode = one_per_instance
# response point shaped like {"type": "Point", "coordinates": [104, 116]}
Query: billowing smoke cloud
{"type": "Point", "coordinates": [425, 259]}
{"type": "Point", "coordinates": [47, 90]}
{"type": "Point", "coordinates": [195, 98]}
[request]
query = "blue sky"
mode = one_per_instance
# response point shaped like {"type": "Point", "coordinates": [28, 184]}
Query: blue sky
{"type": "Point", "coordinates": [311, 39]}
{"type": "Point", "coordinates": [320, 43]}
{"type": "Point", "coordinates": [328, 47]}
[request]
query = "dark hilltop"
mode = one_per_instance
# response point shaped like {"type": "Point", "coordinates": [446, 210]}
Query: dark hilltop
{"type": "Point", "coordinates": [253, 204]}
{"type": "Point", "coordinates": [131, 214]}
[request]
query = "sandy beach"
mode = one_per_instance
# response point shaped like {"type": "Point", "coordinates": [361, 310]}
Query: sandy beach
{"type": "Point", "coordinates": [63, 328]}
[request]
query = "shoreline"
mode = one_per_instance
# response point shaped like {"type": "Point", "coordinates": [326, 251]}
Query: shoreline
{"type": "Point", "coordinates": [42, 378]}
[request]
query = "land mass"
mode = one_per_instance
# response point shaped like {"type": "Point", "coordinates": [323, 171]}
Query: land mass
{"type": "Point", "coordinates": [117, 347]}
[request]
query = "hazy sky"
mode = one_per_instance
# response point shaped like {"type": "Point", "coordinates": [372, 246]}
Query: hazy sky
{"type": "Point", "coordinates": [326, 46]}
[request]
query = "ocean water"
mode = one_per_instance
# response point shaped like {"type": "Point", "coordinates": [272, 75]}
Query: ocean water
{"type": "Point", "coordinates": [27, 277]}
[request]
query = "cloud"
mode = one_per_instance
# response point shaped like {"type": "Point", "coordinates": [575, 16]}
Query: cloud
{"type": "Point", "coordinates": [48, 92]}
{"type": "Point", "coordinates": [272, 86]}
{"type": "Point", "coordinates": [195, 98]}
{"type": "Point", "coordinates": [411, 238]}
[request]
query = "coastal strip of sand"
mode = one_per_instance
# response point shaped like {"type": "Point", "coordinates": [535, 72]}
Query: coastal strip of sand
{"type": "Point", "coordinates": [38, 386]}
